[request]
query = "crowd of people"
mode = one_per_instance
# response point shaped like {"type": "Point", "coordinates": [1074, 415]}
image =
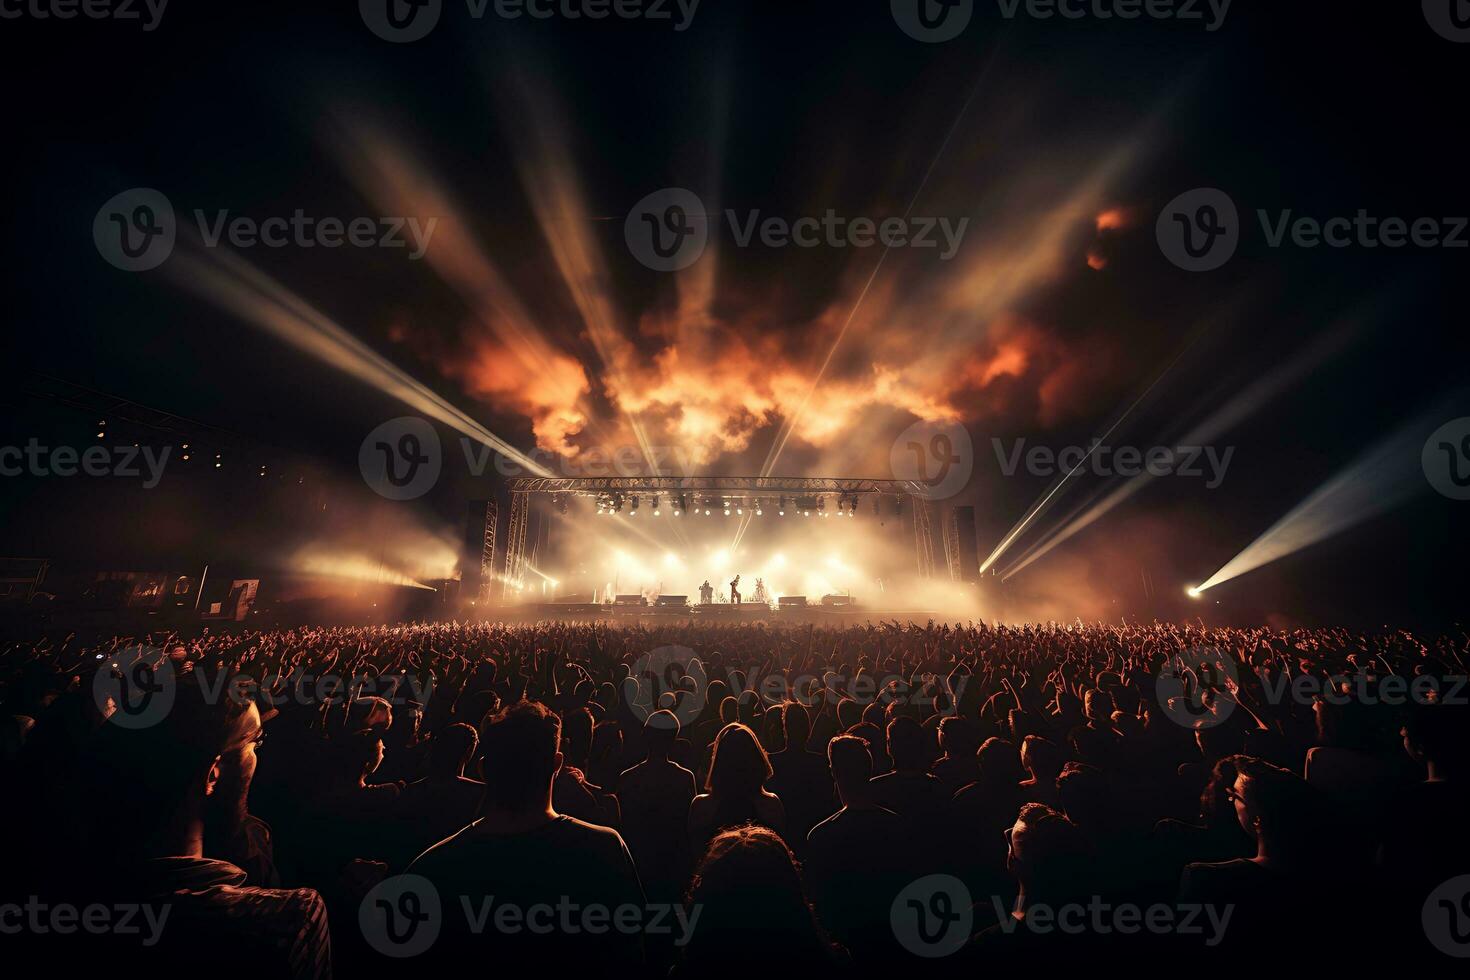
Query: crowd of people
{"type": "Point", "coordinates": [854, 799]}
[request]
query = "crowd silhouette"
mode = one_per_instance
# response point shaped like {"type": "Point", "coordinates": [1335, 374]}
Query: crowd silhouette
{"type": "Point", "coordinates": [788, 795]}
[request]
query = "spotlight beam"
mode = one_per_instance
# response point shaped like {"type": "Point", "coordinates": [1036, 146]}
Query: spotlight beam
{"type": "Point", "coordinates": [1380, 479]}
{"type": "Point", "coordinates": [1041, 505]}
{"type": "Point", "coordinates": [232, 283]}
{"type": "Point", "coordinates": [1246, 403]}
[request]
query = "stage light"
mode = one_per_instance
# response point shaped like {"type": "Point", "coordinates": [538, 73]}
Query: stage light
{"type": "Point", "coordinates": [1193, 592]}
{"type": "Point", "coordinates": [740, 511]}
{"type": "Point", "coordinates": [706, 512]}
{"type": "Point", "coordinates": [727, 512]}
{"type": "Point", "coordinates": [634, 509]}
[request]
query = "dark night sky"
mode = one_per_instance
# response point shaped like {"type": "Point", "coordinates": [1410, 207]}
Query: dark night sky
{"type": "Point", "coordinates": [1320, 107]}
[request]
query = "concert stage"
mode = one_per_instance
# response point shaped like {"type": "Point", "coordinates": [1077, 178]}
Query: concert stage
{"type": "Point", "coordinates": [590, 539]}
{"type": "Point", "coordinates": [748, 612]}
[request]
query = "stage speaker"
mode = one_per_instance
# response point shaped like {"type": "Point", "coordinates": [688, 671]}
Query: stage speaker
{"type": "Point", "coordinates": [635, 599]}
{"type": "Point", "coordinates": [836, 600]}
{"type": "Point", "coordinates": [791, 601]}
{"type": "Point", "coordinates": [677, 601]}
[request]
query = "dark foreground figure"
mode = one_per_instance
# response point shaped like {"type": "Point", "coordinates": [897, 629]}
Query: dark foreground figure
{"type": "Point", "coordinates": [720, 800]}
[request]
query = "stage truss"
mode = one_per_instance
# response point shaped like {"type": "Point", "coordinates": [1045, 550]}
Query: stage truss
{"type": "Point", "coordinates": [729, 487]}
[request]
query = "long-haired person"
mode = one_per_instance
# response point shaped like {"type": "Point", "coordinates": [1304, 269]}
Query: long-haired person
{"type": "Point", "coordinates": [747, 896]}
{"type": "Point", "coordinates": [734, 792]}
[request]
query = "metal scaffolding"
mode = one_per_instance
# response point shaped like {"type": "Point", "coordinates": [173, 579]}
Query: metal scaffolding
{"type": "Point", "coordinates": [487, 549]}
{"type": "Point", "coordinates": [515, 544]}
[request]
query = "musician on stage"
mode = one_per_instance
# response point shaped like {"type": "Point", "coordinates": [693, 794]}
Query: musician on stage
{"type": "Point", "coordinates": [706, 593]}
{"type": "Point", "coordinates": [735, 591]}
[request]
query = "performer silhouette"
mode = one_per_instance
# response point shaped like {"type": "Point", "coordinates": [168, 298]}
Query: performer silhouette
{"type": "Point", "coordinates": [735, 591]}
{"type": "Point", "coordinates": [706, 593]}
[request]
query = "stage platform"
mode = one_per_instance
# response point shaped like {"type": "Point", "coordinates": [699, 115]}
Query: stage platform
{"type": "Point", "coordinates": [748, 612]}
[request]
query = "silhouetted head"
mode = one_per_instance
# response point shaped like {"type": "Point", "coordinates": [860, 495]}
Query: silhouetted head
{"type": "Point", "coordinates": [1047, 854]}
{"type": "Point", "coordinates": [749, 891]}
{"type": "Point", "coordinates": [1000, 763]}
{"type": "Point", "coordinates": [1041, 758]}
{"type": "Point", "coordinates": [1083, 792]}
{"type": "Point", "coordinates": [906, 745]}
{"type": "Point", "coordinates": [959, 738]}
{"type": "Point", "coordinates": [451, 750]}
{"type": "Point", "coordinates": [738, 766]}
{"type": "Point", "coordinates": [851, 764]}
{"type": "Point", "coordinates": [1286, 816]}
{"type": "Point", "coordinates": [521, 757]}
{"type": "Point", "coordinates": [660, 732]}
